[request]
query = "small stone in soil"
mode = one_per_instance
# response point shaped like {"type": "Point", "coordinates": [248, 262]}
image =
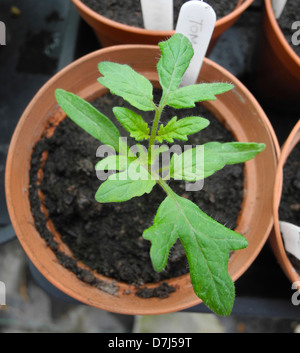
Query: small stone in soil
{"type": "Point", "coordinates": [163, 291]}
{"type": "Point", "coordinates": [295, 207]}
{"type": "Point", "coordinates": [108, 287]}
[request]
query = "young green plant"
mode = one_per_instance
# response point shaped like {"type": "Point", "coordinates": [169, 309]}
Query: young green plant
{"type": "Point", "coordinates": [206, 242]}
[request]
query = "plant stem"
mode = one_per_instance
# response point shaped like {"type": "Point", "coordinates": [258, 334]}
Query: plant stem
{"type": "Point", "coordinates": [155, 125]}
{"type": "Point", "coordinates": [165, 187]}
{"type": "Point", "coordinates": [154, 128]}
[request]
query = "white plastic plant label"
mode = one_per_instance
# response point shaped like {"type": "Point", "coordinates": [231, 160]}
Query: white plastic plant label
{"type": "Point", "coordinates": [291, 237]}
{"type": "Point", "coordinates": [197, 22]}
{"type": "Point", "coordinates": [158, 14]}
{"type": "Point", "coordinates": [278, 6]}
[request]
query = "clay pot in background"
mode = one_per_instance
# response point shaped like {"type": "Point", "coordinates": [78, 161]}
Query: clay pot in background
{"type": "Point", "coordinates": [237, 110]}
{"type": "Point", "coordinates": [110, 32]}
{"type": "Point", "coordinates": [276, 240]}
{"type": "Point", "coordinates": [278, 66]}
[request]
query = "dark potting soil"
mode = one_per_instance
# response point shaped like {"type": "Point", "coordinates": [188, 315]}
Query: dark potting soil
{"type": "Point", "coordinates": [289, 209]}
{"type": "Point", "coordinates": [129, 11]}
{"type": "Point", "coordinates": [290, 14]}
{"type": "Point", "coordinates": [108, 237]}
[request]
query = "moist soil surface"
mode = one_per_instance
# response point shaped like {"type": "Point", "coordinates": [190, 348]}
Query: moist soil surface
{"type": "Point", "coordinates": [129, 11]}
{"type": "Point", "coordinates": [290, 14]}
{"type": "Point", "coordinates": [108, 237]}
{"type": "Point", "coordinates": [289, 209]}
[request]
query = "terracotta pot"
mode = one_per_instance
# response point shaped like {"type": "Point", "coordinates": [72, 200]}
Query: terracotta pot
{"type": "Point", "coordinates": [278, 72]}
{"type": "Point", "coordinates": [237, 109]}
{"type": "Point", "coordinates": [110, 32]}
{"type": "Point", "coordinates": [276, 240]}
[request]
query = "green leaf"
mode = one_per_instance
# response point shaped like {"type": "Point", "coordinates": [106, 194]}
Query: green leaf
{"type": "Point", "coordinates": [176, 54]}
{"type": "Point", "coordinates": [181, 129]}
{"type": "Point", "coordinates": [186, 97]}
{"type": "Point", "coordinates": [119, 187]}
{"type": "Point", "coordinates": [188, 165]}
{"type": "Point", "coordinates": [204, 160]}
{"type": "Point", "coordinates": [156, 151]}
{"type": "Point", "coordinates": [133, 123]}
{"type": "Point", "coordinates": [123, 81]}
{"type": "Point", "coordinates": [217, 155]}
{"type": "Point", "coordinates": [114, 162]}
{"type": "Point", "coordinates": [207, 244]}
{"type": "Point", "coordinates": [88, 118]}
{"type": "Point", "coordinates": [141, 152]}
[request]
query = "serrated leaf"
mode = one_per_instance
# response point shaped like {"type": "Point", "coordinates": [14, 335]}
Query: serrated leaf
{"type": "Point", "coordinates": [186, 97]}
{"type": "Point", "coordinates": [123, 81]}
{"type": "Point", "coordinates": [180, 129]}
{"type": "Point", "coordinates": [207, 244]}
{"type": "Point", "coordinates": [88, 118]}
{"type": "Point", "coordinates": [204, 160]}
{"type": "Point", "coordinates": [176, 54]}
{"type": "Point", "coordinates": [119, 187]}
{"type": "Point", "coordinates": [133, 123]}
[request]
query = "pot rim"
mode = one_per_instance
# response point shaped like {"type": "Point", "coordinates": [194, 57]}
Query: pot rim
{"type": "Point", "coordinates": [276, 239]}
{"type": "Point", "coordinates": [96, 16]}
{"type": "Point", "coordinates": [275, 26]}
{"type": "Point", "coordinates": [18, 225]}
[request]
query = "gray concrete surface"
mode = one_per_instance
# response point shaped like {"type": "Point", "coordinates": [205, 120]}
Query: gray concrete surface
{"type": "Point", "coordinates": [29, 308]}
